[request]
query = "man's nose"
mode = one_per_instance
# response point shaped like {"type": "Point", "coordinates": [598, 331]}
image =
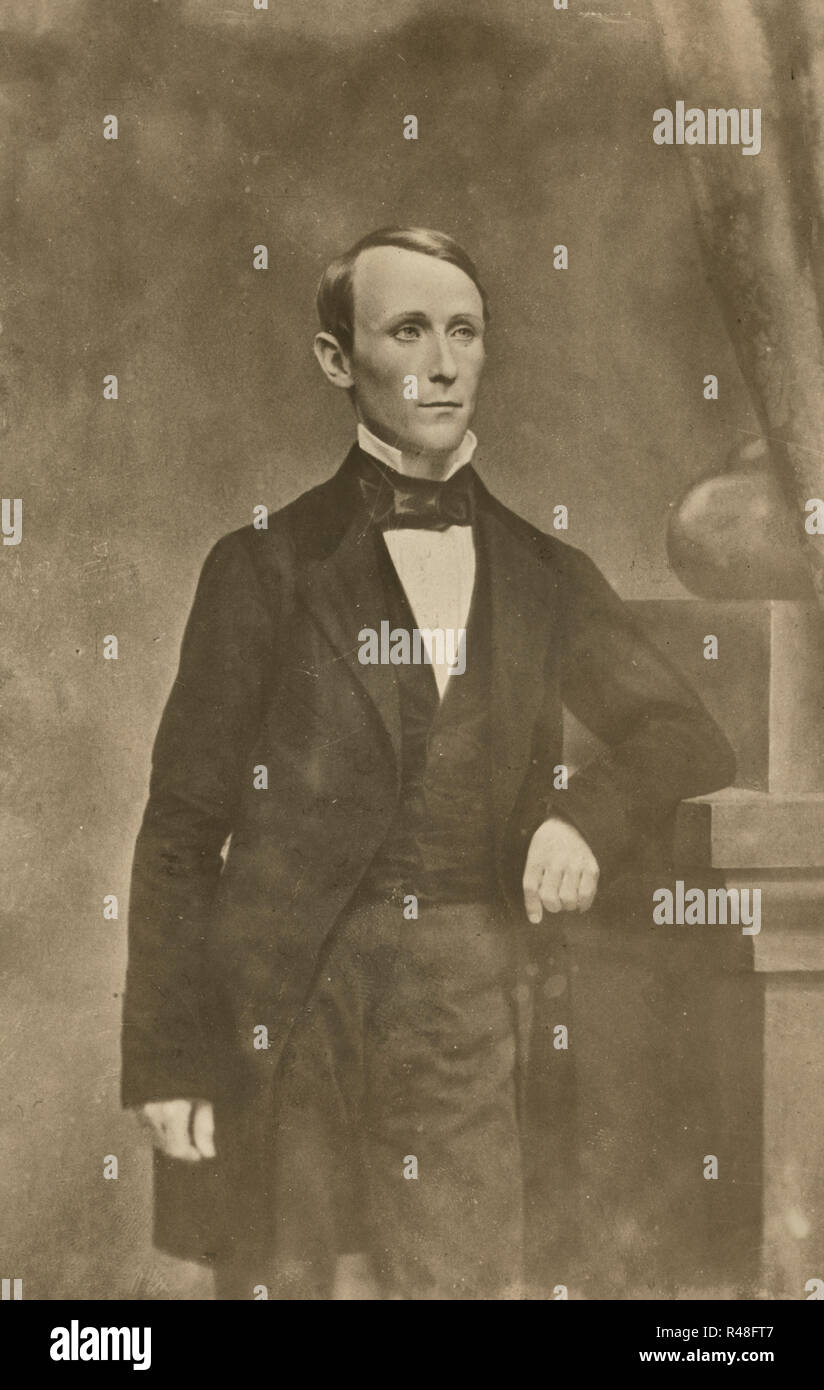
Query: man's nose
{"type": "Point", "coordinates": [442, 365]}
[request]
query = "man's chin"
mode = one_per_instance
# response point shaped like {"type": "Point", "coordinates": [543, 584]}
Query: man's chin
{"type": "Point", "coordinates": [438, 439]}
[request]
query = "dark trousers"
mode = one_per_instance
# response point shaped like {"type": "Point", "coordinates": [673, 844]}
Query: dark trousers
{"type": "Point", "coordinates": [396, 1126]}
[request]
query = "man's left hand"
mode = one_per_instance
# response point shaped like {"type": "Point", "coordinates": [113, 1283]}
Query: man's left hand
{"type": "Point", "coordinates": [561, 872]}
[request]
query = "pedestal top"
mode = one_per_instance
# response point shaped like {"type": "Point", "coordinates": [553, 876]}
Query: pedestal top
{"type": "Point", "coordinates": [742, 829]}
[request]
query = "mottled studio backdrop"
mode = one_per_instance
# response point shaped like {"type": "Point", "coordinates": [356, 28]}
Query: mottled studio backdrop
{"type": "Point", "coordinates": [134, 257]}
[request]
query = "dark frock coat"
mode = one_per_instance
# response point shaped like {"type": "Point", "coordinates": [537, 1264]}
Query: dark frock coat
{"type": "Point", "coordinates": [222, 940]}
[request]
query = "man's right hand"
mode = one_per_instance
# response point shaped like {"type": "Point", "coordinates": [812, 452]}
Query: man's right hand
{"type": "Point", "coordinates": [181, 1128]}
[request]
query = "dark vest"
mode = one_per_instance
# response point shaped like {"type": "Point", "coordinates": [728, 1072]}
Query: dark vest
{"type": "Point", "coordinates": [439, 846]}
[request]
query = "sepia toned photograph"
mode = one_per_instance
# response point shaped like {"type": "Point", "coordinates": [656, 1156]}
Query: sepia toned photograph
{"type": "Point", "coordinates": [413, 660]}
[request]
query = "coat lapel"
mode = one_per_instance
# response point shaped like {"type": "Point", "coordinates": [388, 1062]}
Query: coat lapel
{"type": "Point", "coordinates": [344, 591]}
{"type": "Point", "coordinates": [523, 609]}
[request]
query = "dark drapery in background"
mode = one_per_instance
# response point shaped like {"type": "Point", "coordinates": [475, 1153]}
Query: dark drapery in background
{"type": "Point", "coordinates": [761, 221]}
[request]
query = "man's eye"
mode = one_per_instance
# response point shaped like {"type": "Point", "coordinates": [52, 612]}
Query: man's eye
{"type": "Point", "coordinates": [408, 332]}
{"type": "Point", "coordinates": [465, 331]}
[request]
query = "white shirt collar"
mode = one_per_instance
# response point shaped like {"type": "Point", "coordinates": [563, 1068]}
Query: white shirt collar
{"type": "Point", "coordinates": [393, 457]}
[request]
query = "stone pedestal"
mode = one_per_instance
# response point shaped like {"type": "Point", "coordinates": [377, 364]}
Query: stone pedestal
{"type": "Point", "coordinates": [768, 832]}
{"type": "Point", "coordinates": [761, 1004]}
{"type": "Point", "coordinates": [776, 842]}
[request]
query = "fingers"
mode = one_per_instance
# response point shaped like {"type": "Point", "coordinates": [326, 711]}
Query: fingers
{"type": "Point", "coordinates": [533, 874]}
{"type": "Point", "coordinates": [178, 1143]}
{"type": "Point", "coordinates": [203, 1129]}
{"type": "Point", "coordinates": [587, 889]}
{"type": "Point", "coordinates": [568, 889]}
{"type": "Point", "coordinates": [551, 887]}
{"type": "Point", "coordinates": [559, 889]}
{"type": "Point", "coordinates": [169, 1123]}
{"type": "Point", "coordinates": [561, 873]}
{"type": "Point", "coordinates": [151, 1118]}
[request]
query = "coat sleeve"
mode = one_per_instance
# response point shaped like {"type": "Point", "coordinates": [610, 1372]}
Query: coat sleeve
{"type": "Point", "coordinates": [208, 725]}
{"type": "Point", "coordinates": [661, 743]}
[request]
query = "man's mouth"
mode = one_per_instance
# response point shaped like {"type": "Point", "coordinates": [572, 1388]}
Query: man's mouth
{"type": "Point", "coordinates": [440, 405]}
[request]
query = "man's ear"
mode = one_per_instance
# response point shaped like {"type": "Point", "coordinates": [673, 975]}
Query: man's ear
{"type": "Point", "coordinates": [334, 362]}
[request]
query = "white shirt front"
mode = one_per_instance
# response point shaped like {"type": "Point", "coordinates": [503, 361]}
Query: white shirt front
{"type": "Point", "coordinates": [436, 568]}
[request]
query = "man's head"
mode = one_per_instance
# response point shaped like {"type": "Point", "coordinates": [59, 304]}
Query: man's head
{"type": "Point", "coordinates": [405, 302]}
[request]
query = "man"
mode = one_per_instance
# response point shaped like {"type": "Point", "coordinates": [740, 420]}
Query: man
{"type": "Point", "coordinates": [330, 1024]}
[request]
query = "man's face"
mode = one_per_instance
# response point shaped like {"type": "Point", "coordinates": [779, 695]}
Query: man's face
{"type": "Point", "coordinates": [415, 315]}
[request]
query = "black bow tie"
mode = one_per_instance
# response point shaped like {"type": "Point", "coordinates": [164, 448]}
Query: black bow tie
{"type": "Point", "coordinates": [396, 500]}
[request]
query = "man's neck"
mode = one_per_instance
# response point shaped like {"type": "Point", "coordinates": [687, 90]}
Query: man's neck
{"type": "Point", "coordinates": [437, 467]}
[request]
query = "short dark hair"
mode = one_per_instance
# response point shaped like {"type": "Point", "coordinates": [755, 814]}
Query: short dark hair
{"type": "Point", "coordinates": [335, 298]}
